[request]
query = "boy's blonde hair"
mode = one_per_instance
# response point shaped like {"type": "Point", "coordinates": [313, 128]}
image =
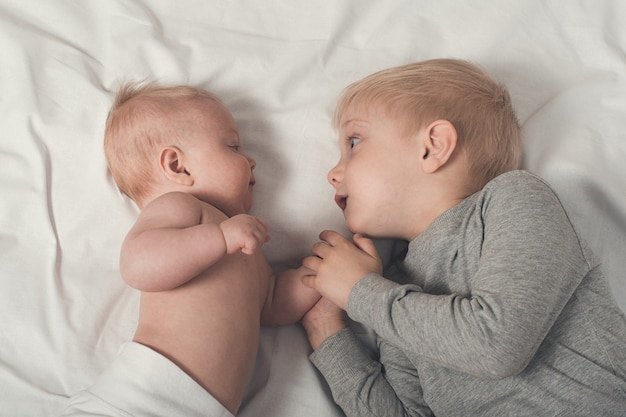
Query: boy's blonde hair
{"type": "Point", "coordinates": [458, 91]}
{"type": "Point", "coordinates": [144, 118]}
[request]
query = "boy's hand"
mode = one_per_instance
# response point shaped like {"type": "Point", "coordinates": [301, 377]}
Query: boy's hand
{"type": "Point", "coordinates": [322, 321]}
{"type": "Point", "coordinates": [338, 264]}
{"type": "Point", "coordinates": [244, 232]}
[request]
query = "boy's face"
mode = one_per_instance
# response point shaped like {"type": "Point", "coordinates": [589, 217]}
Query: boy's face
{"type": "Point", "coordinates": [378, 174]}
{"type": "Point", "coordinates": [222, 171]}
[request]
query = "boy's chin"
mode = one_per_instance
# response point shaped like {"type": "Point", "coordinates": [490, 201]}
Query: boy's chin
{"type": "Point", "coordinates": [368, 232]}
{"type": "Point", "coordinates": [356, 228]}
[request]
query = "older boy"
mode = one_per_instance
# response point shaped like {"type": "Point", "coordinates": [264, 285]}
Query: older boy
{"type": "Point", "coordinates": [502, 310]}
{"type": "Point", "coordinates": [194, 254]}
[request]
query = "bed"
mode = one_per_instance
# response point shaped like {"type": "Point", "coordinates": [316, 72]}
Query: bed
{"type": "Point", "coordinates": [279, 66]}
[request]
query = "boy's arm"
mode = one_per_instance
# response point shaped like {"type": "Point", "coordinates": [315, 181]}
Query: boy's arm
{"type": "Point", "coordinates": [173, 241]}
{"type": "Point", "coordinates": [289, 299]}
{"type": "Point", "coordinates": [404, 379]}
{"type": "Point", "coordinates": [367, 388]}
{"type": "Point", "coordinates": [361, 385]}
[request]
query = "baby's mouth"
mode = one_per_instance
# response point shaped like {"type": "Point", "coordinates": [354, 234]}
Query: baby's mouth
{"type": "Point", "coordinates": [342, 201]}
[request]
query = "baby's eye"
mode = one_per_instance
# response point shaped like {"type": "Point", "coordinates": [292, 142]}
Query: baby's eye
{"type": "Point", "coordinates": [353, 141]}
{"type": "Point", "coordinates": [235, 148]}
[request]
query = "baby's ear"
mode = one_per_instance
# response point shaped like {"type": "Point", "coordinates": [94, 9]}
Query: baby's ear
{"type": "Point", "coordinates": [439, 145]}
{"type": "Point", "coordinates": [172, 164]}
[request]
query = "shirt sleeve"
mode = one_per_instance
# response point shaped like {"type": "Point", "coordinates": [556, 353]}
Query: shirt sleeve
{"type": "Point", "coordinates": [358, 383]}
{"type": "Point", "coordinates": [530, 265]}
{"type": "Point", "coordinates": [401, 374]}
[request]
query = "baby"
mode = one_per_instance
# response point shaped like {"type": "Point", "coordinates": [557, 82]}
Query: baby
{"type": "Point", "coordinates": [195, 256]}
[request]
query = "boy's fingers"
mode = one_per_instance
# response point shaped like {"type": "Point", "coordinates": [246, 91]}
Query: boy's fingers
{"type": "Point", "coordinates": [309, 280]}
{"type": "Point", "coordinates": [320, 249]}
{"type": "Point", "coordinates": [331, 237]}
{"type": "Point", "coordinates": [311, 263]}
{"type": "Point", "coordinates": [365, 244]}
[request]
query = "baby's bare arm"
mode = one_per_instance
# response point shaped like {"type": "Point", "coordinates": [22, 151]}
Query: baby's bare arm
{"type": "Point", "coordinates": [171, 243]}
{"type": "Point", "coordinates": [289, 299]}
{"type": "Point", "coordinates": [177, 237]}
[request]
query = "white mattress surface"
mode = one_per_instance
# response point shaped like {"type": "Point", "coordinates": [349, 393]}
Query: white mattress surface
{"type": "Point", "coordinates": [279, 66]}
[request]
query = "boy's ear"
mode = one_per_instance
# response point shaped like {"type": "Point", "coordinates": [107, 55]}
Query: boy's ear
{"type": "Point", "coordinates": [439, 145]}
{"type": "Point", "coordinates": [172, 164]}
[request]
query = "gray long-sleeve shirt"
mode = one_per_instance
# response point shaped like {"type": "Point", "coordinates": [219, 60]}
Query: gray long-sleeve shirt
{"type": "Point", "coordinates": [503, 311]}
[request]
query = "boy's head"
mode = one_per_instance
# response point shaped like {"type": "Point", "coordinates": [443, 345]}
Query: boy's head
{"type": "Point", "coordinates": [177, 138]}
{"type": "Point", "coordinates": [457, 91]}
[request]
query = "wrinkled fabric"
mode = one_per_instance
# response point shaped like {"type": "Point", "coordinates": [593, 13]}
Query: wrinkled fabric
{"type": "Point", "coordinates": [279, 66]}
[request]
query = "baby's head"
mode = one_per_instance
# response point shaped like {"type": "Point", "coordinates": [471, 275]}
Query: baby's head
{"type": "Point", "coordinates": [145, 119]}
{"type": "Point", "coordinates": [457, 91]}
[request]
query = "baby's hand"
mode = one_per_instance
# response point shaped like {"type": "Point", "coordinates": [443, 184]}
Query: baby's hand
{"type": "Point", "coordinates": [244, 232]}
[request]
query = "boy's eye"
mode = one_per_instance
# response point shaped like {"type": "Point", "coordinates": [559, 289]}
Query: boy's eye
{"type": "Point", "coordinates": [235, 148]}
{"type": "Point", "coordinates": [353, 141]}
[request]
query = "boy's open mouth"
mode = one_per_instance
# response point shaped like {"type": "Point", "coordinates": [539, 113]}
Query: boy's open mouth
{"type": "Point", "coordinates": [342, 201]}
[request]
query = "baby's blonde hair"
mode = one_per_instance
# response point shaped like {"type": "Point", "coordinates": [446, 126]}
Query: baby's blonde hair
{"type": "Point", "coordinates": [458, 91]}
{"type": "Point", "coordinates": [143, 119]}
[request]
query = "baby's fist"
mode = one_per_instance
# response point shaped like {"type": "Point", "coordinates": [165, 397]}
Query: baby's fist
{"type": "Point", "coordinates": [244, 232]}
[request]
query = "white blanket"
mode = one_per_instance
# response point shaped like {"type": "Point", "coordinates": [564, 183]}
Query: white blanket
{"type": "Point", "coordinates": [279, 66]}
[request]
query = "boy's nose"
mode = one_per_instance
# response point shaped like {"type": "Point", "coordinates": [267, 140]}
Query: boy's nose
{"type": "Point", "coordinates": [335, 175]}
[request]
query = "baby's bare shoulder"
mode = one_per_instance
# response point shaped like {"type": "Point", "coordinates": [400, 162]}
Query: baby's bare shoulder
{"type": "Point", "coordinates": [173, 209]}
{"type": "Point", "coordinates": [185, 207]}
{"type": "Point", "coordinates": [173, 200]}
{"type": "Point", "coordinates": [211, 214]}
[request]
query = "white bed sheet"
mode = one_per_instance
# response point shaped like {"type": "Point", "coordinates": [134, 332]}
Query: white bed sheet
{"type": "Point", "coordinates": [279, 66]}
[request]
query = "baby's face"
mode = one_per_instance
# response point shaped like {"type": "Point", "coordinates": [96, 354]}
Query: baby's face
{"type": "Point", "coordinates": [214, 154]}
